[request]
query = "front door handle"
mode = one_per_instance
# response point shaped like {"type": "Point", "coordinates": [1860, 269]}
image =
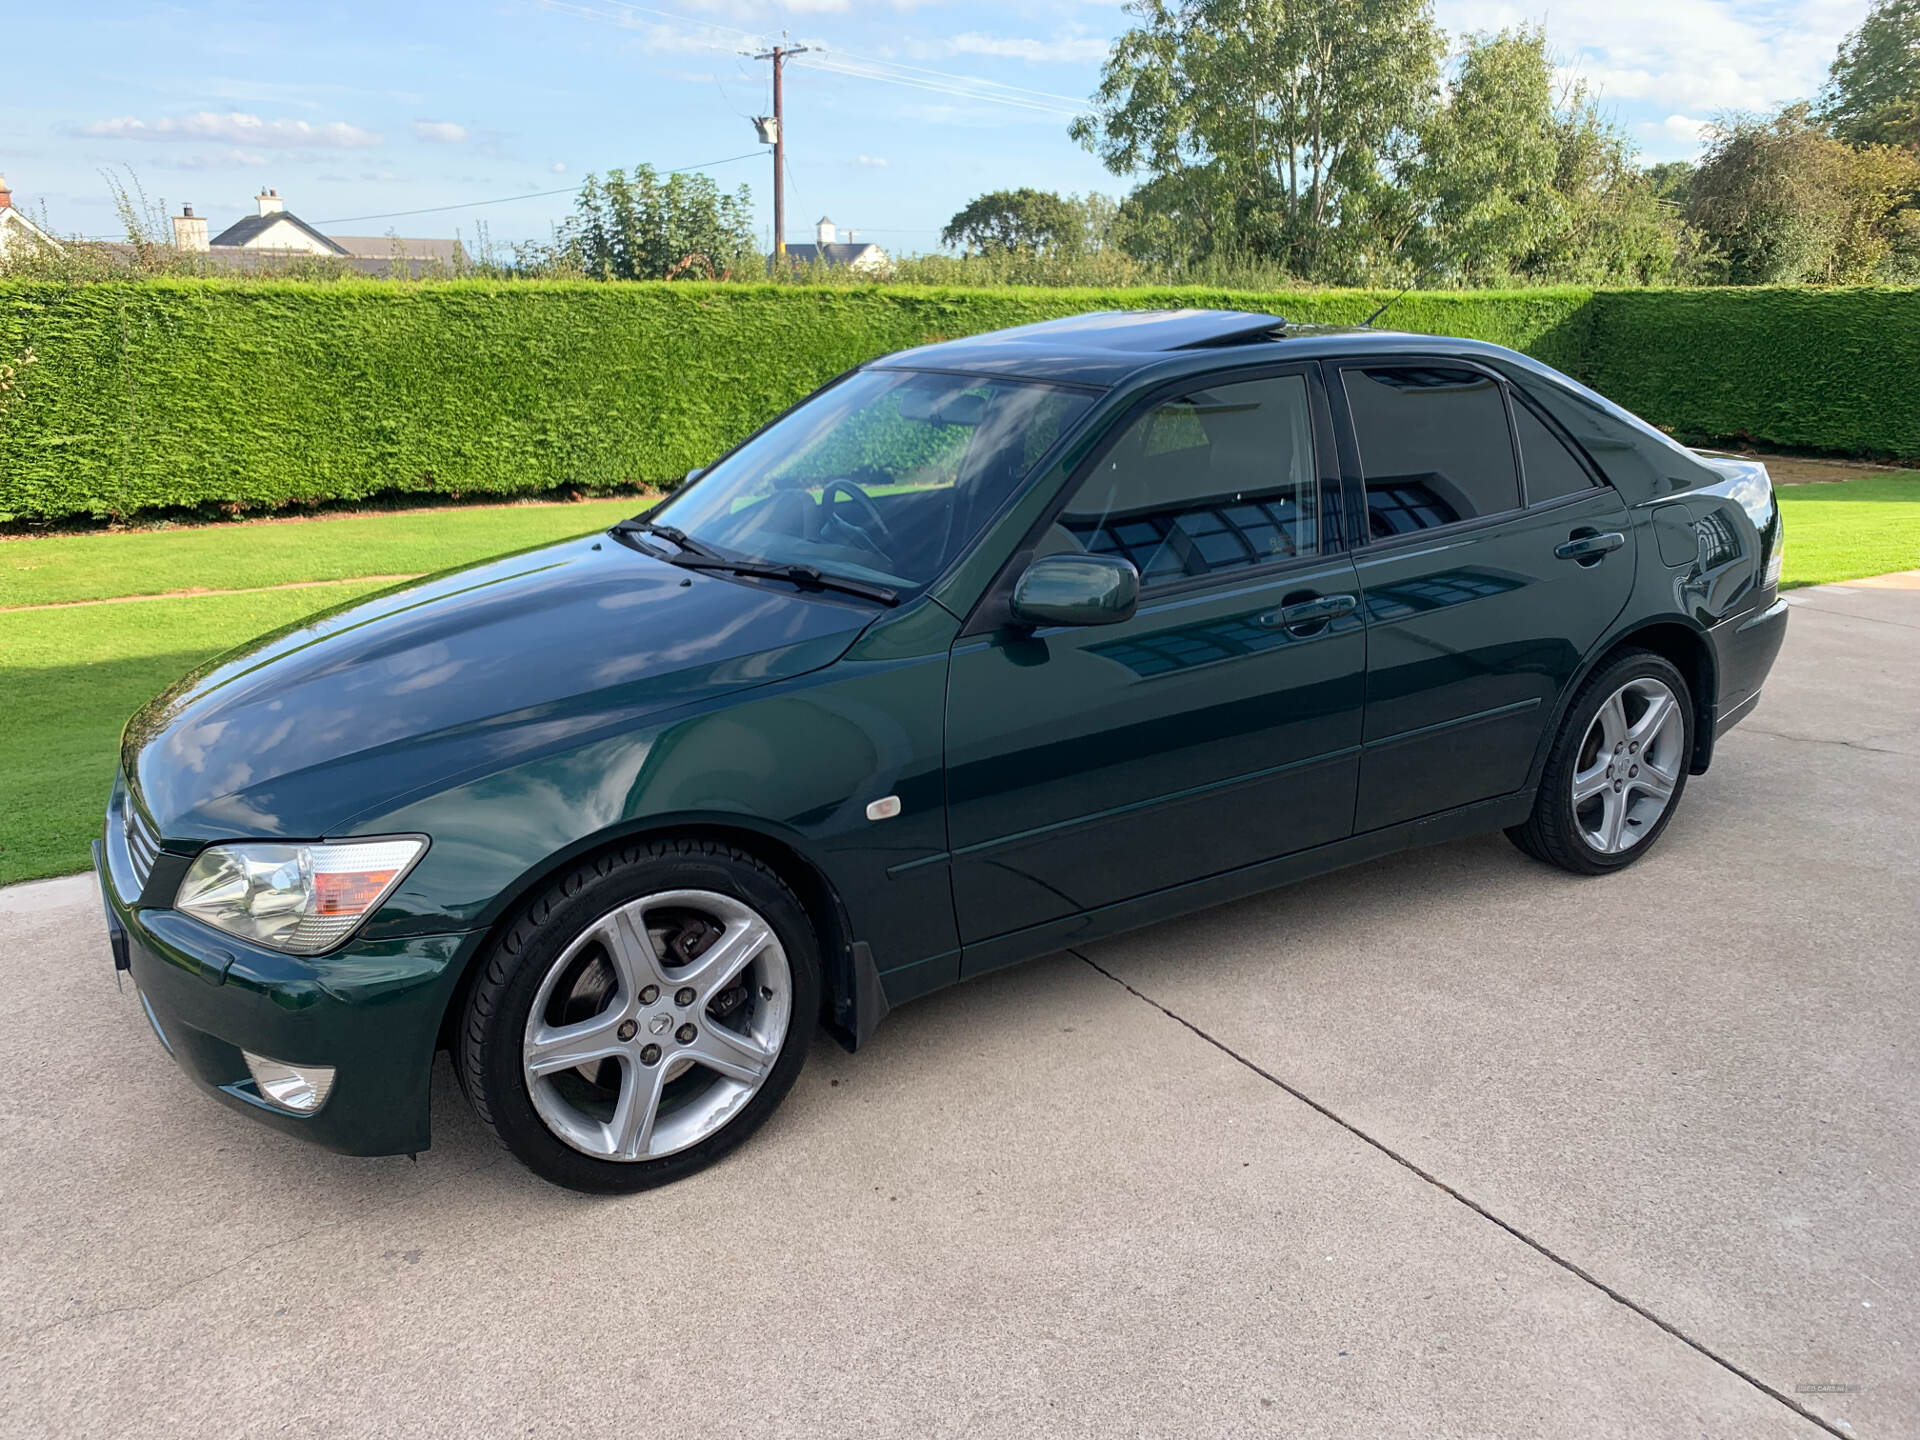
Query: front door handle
{"type": "Point", "coordinates": [1589, 547]}
{"type": "Point", "coordinates": [1305, 617]}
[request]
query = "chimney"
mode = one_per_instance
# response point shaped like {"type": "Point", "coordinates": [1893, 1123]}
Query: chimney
{"type": "Point", "coordinates": [6, 195]}
{"type": "Point", "coordinates": [824, 231]}
{"type": "Point", "coordinates": [270, 202]}
{"type": "Point", "coordinates": [189, 230]}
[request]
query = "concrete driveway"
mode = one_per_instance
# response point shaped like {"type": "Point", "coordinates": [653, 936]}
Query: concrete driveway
{"type": "Point", "coordinates": [1450, 1144]}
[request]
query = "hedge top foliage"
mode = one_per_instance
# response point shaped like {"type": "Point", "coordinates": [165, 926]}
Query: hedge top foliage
{"type": "Point", "coordinates": [255, 393]}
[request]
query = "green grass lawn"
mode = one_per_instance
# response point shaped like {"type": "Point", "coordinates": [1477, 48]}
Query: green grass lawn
{"type": "Point", "coordinates": [68, 681]}
{"type": "Point", "coordinates": [243, 556]}
{"type": "Point", "coordinates": [70, 676]}
{"type": "Point", "coordinates": [1844, 529]}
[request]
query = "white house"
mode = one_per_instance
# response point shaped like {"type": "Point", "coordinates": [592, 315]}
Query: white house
{"type": "Point", "coordinates": [272, 229]}
{"type": "Point", "coordinates": [276, 231]}
{"type": "Point", "coordinates": [865, 257]}
{"type": "Point", "coordinates": [15, 227]}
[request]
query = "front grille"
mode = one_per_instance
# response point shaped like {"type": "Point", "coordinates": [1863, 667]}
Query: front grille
{"type": "Point", "coordinates": [143, 844]}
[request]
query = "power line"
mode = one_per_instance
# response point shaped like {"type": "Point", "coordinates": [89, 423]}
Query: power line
{"type": "Point", "coordinates": [528, 195]}
{"type": "Point", "coordinates": [1048, 95]}
{"type": "Point", "coordinates": [846, 62]}
{"type": "Point", "coordinates": [964, 87]}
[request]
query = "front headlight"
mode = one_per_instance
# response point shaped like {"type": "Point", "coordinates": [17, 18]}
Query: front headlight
{"type": "Point", "coordinates": [298, 898]}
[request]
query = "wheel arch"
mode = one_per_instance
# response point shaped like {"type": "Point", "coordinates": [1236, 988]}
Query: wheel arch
{"type": "Point", "coordinates": [1675, 639]}
{"type": "Point", "coordinates": [851, 999]}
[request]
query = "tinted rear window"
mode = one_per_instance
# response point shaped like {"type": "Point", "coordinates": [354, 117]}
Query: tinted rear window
{"type": "Point", "coordinates": [1434, 446]}
{"type": "Point", "coordinates": [1552, 469]}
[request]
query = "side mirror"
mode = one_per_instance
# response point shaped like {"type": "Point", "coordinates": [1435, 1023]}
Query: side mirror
{"type": "Point", "coordinates": [1076, 590]}
{"type": "Point", "coordinates": [694, 474]}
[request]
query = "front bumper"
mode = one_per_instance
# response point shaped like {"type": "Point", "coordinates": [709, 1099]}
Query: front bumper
{"type": "Point", "coordinates": [372, 1010]}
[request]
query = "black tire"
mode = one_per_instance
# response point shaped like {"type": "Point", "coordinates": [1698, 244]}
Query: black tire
{"type": "Point", "coordinates": [489, 1055]}
{"type": "Point", "coordinates": [1552, 833]}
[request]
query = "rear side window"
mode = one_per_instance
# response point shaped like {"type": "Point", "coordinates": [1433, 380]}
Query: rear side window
{"type": "Point", "coordinates": [1552, 470]}
{"type": "Point", "coordinates": [1219, 479]}
{"type": "Point", "coordinates": [1434, 446]}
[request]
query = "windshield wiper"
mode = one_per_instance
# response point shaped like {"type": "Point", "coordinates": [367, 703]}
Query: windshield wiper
{"type": "Point", "coordinates": [666, 532]}
{"type": "Point", "coordinates": [805, 576]}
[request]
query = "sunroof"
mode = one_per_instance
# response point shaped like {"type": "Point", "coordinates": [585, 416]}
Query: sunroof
{"type": "Point", "coordinates": [1252, 330]}
{"type": "Point", "coordinates": [1157, 330]}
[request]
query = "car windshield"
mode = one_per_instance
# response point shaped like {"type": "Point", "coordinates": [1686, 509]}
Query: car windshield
{"type": "Point", "coordinates": [884, 477]}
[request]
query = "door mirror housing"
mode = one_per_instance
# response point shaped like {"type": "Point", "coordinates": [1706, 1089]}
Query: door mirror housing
{"type": "Point", "coordinates": [1076, 590]}
{"type": "Point", "coordinates": [694, 474]}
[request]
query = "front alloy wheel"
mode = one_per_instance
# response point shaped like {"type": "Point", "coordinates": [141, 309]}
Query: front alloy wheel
{"type": "Point", "coordinates": [656, 1025]}
{"type": "Point", "coordinates": [642, 1015]}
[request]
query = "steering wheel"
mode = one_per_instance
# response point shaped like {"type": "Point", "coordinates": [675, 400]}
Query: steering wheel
{"type": "Point", "coordinates": [874, 531]}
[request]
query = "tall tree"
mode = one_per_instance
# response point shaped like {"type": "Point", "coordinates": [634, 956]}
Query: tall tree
{"type": "Point", "coordinates": [1268, 120]}
{"type": "Point", "coordinates": [1779, 200]}
{"type": "Point", "coordinates": [1520, 178]}
{"type": "Point", "coordinates": [1873, 88]}
{"type": "Point", "coordinates": [1672, 181]}
{"type": "Point", "coordinates": [1018, 221]}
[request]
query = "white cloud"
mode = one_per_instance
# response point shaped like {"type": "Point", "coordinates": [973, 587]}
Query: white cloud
{"type": "Point", "coordinates": [1068, 49]}
{"type": "Point", "coordinates": [1655, 59]}
{"type": "Point", "coordinates": [1701, 55]}
{"type": "Point", "coordinates": [876, 162]}
{"type": "Point", "coordinates": [559, 167]}
{"type": "Point", "coordinates": [439, 132]}
{"type": "Point", "coordinates": [237, 127]}
{"type": "Point", "coordinates": [1685, 128]}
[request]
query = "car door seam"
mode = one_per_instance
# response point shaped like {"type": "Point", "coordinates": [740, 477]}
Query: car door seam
{"type": "Point", "coordinates": [1515, 708]}
{"type": "Point", "coordinates": [1135, 806]}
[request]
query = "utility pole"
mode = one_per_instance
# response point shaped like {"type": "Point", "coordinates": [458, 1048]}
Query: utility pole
{"type": "Point", "coordinates": [773, 131]}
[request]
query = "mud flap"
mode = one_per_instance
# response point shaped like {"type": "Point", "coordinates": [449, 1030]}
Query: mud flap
{"type": "Point", "coordinates": [859, 1001]}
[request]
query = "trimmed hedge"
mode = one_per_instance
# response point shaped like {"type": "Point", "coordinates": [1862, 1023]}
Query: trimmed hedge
{"type": "Point", "coordinates": [159, 394]}
{"type": "Point", "coordinates": [1798, 367]}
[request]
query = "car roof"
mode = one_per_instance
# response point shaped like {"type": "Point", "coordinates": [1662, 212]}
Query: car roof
{"type": "Point", "coordinates": [1108, 347]}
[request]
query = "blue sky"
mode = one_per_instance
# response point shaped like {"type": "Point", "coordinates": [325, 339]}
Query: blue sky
{"type": "Point", "coordinates": [908, 108]}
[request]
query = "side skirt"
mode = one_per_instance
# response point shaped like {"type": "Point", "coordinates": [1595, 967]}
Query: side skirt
{"type": "Point", "coordinates": [1479, 818]}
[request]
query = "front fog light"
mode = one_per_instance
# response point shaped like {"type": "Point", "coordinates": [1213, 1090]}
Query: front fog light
{"type": "Point", "coordinates": [302, 1089]}
{"type": "Point", "coordinates": [302, 899]}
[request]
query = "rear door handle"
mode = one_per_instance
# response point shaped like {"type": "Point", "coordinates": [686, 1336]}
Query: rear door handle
{"type": "Point", "coordinates": [1590, 548]}
{"type": "Point", "coordinates": [1303, 617]}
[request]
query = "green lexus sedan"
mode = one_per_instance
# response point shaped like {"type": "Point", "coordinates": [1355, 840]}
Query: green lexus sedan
{"type": "Point", "coordinates": [985, 649]}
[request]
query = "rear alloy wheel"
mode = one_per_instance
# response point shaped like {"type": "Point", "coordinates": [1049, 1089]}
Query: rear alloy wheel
{"type": "Point", "coordinates": [1629, 766]}
{"type": "Point", "coordinates": [637, 1028]}
{"type": "Point", "coordinates": [1617, 769]}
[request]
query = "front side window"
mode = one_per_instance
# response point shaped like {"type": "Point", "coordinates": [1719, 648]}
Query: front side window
{"type": "Point", "coordinates": [885, 477]}
{"type": "Point", "coordinates": [1215, 480]}
{"type": "Point", "coordinates": [1434, 446]}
